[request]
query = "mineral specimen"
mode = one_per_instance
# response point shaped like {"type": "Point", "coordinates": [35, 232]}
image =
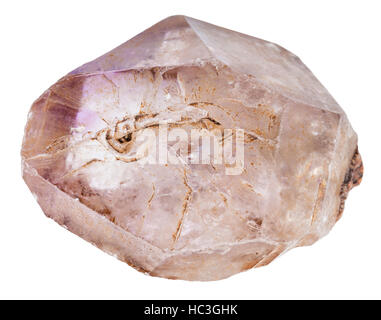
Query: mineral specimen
{"type": "Point", "coordinates": [191, 152]}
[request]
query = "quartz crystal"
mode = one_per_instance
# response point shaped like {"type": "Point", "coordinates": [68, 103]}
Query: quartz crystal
{"type": "Point", "coordinates": [91, 171]}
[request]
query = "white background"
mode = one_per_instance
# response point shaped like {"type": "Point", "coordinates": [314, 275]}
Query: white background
{"type": "Point", "coordinates": [43, 40]}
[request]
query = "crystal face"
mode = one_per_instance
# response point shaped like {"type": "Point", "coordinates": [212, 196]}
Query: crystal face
{"type": "Point", "coordinates": [86, 159]}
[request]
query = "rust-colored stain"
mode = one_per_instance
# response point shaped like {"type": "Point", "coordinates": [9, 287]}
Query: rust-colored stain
{"type": "Point", "coordinates": [353, 178]}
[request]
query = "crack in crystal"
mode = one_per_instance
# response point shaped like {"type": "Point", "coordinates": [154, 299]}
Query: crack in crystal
{"type": "Point", "coordinates": [115, 88]}
{"type": "Point", "coordinates": [152, 195]}
{"type": "Point", "coordinates": [87, 164]}
{"type": "Point", "coordinates": [148, 207]}
{"type": "Point", "coordinates": [319, 200]}
{"type": "Point", "coordinates": [186, 201]}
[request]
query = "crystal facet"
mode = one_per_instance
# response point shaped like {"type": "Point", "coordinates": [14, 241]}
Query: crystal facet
{"type": "Point", "coordinates": [82, 154]}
